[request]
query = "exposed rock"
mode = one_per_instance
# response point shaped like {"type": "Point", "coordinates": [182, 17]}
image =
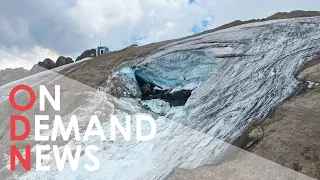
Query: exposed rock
{"type": "Point", "coordinates": [292, 132]}
{"type": "Point", "coordinates": [256, 133]}
{"type": "Point", "coordinates": [311, 73]}
{"type": "Point", "coordinates": [63, 61]}
{"type": "Point", "coordinates": [312, 84]}
{"type": "Point", "coordinates": [47, 63]}
{"type": "Point", "coordinates": [293, 14]}
{"type": "Point", "coordinates": [117, 89]}
{"type": "Point", "coordinates": [87, 53]}
{"type": "Point", "coordinates": [42, 66]}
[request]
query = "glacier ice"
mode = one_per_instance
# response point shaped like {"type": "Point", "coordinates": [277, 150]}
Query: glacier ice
{"type": "Point", "coordinates": [237, 76]}
{"type": "Point", "coordinates": [171, 77]}
{"type": "Point", "coordinates": [177, 69]}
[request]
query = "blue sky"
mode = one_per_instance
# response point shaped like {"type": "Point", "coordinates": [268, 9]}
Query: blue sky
{"type": "Point", "coordinates": [201, 27]}
{"type": "Point", "coordinates": [34, 30]}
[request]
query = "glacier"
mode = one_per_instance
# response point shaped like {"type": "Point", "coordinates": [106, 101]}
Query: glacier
{"type": "Point", "coordinates": [183, 68]}
{"type": "Point", "coordinates": [236, 77]}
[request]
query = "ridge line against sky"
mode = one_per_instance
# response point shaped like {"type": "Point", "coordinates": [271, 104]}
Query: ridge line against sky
{"type": "Point", "coordinates": [35, 29]}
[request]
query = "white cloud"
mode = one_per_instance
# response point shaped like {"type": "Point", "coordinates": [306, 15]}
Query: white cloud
{"type": "Point", "coordinates": [13, 57]}
{"type": "Point", "coordinates": [117, 22]}
{"type": "Point", "coordinates": [99, 16]}
{"type": "Point", "coordinates": [70, 27]}
{"type": "Point", "coordinates": [15, 28]}
{"type": "Point", "coordinates": [11, 61]}
{"type": "Point", "coordinates": [171, 19]}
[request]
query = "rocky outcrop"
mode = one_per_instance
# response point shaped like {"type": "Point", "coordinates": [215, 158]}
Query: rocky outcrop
{"type": "Point", "coordinates": [86, 54]}
{"type": "Point", "coordinates": [63, 61]}
{"type": "Point", "coordinates": [47, 63]}
{"type": "Point", "coordinates": [293, 14]}
{"type": "Point", "coordinates": [42, 66]}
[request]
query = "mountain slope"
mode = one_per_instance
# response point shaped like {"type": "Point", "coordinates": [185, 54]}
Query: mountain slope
{"type": "Point", "coordinates": [252, 69]}
{"type": "Point", "coordinates": [236, 76]}
{"type": "Point", "coordinates": [299, 150]}
{"type": "Point", "coordinates": [8, 75]}
{"type": "Point", "coordinates": [289, 137]}
{"type": "Point", "coordinates": [112, 59]}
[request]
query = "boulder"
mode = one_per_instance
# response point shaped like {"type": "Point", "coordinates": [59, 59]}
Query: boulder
{"type": "Point", "coordinates": [42, 66]}
{"type": "Point", "coordinates": [63, 61]}
{"type": "Point", "coordinates": [47, 63]}
{"type": "Point", "coordinates": [86, 54]}
{"type": "Point", "coordinates": [256, 133]}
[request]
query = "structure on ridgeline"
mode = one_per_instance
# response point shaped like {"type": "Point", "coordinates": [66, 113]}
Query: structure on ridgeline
{"type": "Point", "coordinates": [101, 50]}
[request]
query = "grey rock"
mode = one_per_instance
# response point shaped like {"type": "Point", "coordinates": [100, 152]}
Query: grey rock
{"type": "Point", "coordinates": [63, 61]}
{"type": "Point", "coordinates": [47, 63]}
{"type": "Point", "coordinates": [87, 53]}
{"type": "Point", "coordinates": [256, 133]}
{"type": "Point", "coordinates": [42, 66]}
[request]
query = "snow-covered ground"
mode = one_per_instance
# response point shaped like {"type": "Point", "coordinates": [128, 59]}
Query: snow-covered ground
{"type": "Point", "coordinates": [239, 75]}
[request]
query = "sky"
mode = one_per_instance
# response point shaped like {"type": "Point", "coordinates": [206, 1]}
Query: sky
{"type": "Point", "coordinates": [32, 30]}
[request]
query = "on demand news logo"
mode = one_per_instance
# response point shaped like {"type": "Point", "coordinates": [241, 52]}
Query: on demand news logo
{"type": "Point", "coordinates": [41, 124]}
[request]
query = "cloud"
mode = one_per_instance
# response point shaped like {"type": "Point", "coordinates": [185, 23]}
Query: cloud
{"type": "Point", "coordinates": [74, 26]}
{"type": "Point", "coordinates": [120, 23]}
{"type": "Point", "coordinates": [69, 27]}
{"type": "Point", "coordinates": [15, 33]}
{"type": "Point", "coordinates": [11, 61]}
{"type": "Point", "coordinates": [14, 57]}
{"type": "Point", "coordinates": [170, 19]}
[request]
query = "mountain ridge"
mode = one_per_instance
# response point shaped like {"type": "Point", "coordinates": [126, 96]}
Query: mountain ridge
{"type": "Point", "coordinates": [142, 50]}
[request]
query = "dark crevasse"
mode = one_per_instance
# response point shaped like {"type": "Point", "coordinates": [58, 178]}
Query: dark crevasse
{"type": "Point", "coordinates": [173, 77]}
{"type": "Point", "coordinates": [151, 91]}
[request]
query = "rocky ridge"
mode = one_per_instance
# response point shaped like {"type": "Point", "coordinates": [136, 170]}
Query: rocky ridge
{"type": "Point", "coordinates": [86, 54]}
